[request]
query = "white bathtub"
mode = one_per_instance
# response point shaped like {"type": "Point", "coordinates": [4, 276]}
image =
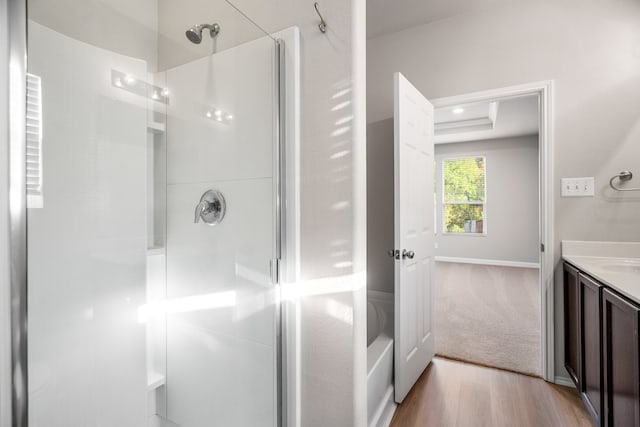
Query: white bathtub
{"type": "Point", "coordinates": [380, 404]}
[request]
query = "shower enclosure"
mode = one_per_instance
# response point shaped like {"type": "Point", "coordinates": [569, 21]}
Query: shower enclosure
{"type": "Point", "coordinates": [153, 149]}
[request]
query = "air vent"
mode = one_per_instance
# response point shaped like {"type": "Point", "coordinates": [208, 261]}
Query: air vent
{"type": "Point", "coordinates": [34, 142]}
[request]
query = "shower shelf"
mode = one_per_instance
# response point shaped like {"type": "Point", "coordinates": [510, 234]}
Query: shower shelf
{"type": "Point", "coordinates": [156, 127]}
{"type": "Point", "coordinates": [155, 250]}
{"type": "Point", "coordinates": [155, 380]}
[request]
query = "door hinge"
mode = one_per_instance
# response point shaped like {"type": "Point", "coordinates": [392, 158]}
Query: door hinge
{"type": "Point", "coordinates": [541, 247]}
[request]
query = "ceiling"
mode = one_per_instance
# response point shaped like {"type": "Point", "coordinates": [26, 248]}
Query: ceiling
{"type": "Point", "coordinates": [388, 16]}
{"type": "Point", "coordinates": [513, 117]}
{"type": "Point", "coordinates": [457, 118]}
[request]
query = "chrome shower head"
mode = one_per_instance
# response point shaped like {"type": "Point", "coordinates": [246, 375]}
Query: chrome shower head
{"type": "Point", "coordinates": [194, 34]}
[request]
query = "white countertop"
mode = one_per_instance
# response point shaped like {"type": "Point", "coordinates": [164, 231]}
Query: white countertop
{"type": "Point", "coordinates": [615, 264]}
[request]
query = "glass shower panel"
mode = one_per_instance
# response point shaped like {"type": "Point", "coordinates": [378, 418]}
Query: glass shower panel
{"type": "Point", "coordinates": [87, 236]}
{"type": "Point", "coordinates": [138, 314]}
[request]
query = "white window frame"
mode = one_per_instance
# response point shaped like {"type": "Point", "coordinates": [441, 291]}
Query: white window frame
{"type": "Point", "coordinates": [444, 204]}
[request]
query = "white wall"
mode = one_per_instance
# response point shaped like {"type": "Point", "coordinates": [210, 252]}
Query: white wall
{"type": "Point", "coordinates": [590, 50]}
{"type": "Point", "coordinates": [380, 206]}
{"type": "Point", "coordinates": [87, 246]}
{"type": "Point", "coordinates": [122, 26]}
{"type": "Point", "coordinates": [511, 209]}
{"type": "Point", "coordinates": [333, 216]}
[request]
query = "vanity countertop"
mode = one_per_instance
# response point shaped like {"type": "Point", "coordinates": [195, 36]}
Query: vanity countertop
{"type": "Point", "coordinates": [615, 264]}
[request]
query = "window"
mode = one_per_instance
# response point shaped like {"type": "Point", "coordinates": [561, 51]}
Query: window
{"type": "Point", "coordinates": [464, 195]}
{"type": "Point", "coordinates": [34, 142]}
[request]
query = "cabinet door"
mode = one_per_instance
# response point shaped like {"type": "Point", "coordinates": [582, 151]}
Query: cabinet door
{"type": "Point", "coordinates": [571, 322]}
{"type": "Point", "coordinates": [621, 363]}
{"type": "Point", "coordinates": [590, 340]}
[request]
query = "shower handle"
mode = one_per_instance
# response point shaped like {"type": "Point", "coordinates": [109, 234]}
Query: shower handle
{"type": "Point", "coordinates": [211, 208]}
{"type": "Point", "coordinates": [202, 208]}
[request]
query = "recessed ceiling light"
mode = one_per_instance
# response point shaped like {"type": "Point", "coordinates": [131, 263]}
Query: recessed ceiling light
{"type": "Point", "coordinates": [458, 110]}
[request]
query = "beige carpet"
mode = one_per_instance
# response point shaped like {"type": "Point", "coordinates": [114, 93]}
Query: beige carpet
{"type": "Point", "coordinates": [488, 315]}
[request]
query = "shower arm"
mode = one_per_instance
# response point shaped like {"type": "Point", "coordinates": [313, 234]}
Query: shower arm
{"type": "Point", "coordinates": [214, 29]}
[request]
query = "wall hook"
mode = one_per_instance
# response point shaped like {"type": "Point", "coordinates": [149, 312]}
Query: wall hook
{"type": "Point", "coordinates": [323, 24]}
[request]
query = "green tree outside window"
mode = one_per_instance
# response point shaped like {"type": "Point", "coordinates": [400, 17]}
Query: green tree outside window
{"type": "Point", "coordinates": [464, 195]}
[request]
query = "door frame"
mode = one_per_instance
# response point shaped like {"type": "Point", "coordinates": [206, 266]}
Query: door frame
{"type": "Point", "coordinates": [544, 91]}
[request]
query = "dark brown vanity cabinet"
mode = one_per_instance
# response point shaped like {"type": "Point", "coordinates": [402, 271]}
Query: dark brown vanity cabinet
{"type": "Point", "coordinates": [602, 350]}
{"type": "Point", "coordinates": [621, 362]}
{"type": "Point", "coordinates": [571, 322]}
{"type": "Point", "coordinates": [590, 343]}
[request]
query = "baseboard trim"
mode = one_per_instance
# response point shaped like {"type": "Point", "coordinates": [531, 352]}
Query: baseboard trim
{"type": "Point", "coordinates": [385, 412]}
{"type": "Point", "coordinates": [494, 262]}
{"type": "Point", "coordinates": [564, 381]}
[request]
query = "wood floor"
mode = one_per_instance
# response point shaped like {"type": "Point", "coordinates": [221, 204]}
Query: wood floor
{"type": "Point", "coordinates": [457, 394]}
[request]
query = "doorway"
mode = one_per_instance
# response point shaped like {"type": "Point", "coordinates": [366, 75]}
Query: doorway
{"type": "Point", "coordinates": [494, 299]}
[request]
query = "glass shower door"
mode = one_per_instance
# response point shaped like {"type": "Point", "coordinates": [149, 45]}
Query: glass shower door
{"type": "Point", "coordinates": [87, 235]}
{"type": "Point", "coordinates": [151, 220]}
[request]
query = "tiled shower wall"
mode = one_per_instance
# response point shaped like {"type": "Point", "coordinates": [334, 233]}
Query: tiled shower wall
{"type": "Point", "coordinates": [217, 356]}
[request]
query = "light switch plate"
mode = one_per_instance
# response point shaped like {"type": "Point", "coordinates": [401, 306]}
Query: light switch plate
{"type": "Point", "coordinates": [578, 187]}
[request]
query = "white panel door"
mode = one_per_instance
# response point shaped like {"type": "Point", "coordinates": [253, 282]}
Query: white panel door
{"type": "Point", "coordinates": [414, 234]}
